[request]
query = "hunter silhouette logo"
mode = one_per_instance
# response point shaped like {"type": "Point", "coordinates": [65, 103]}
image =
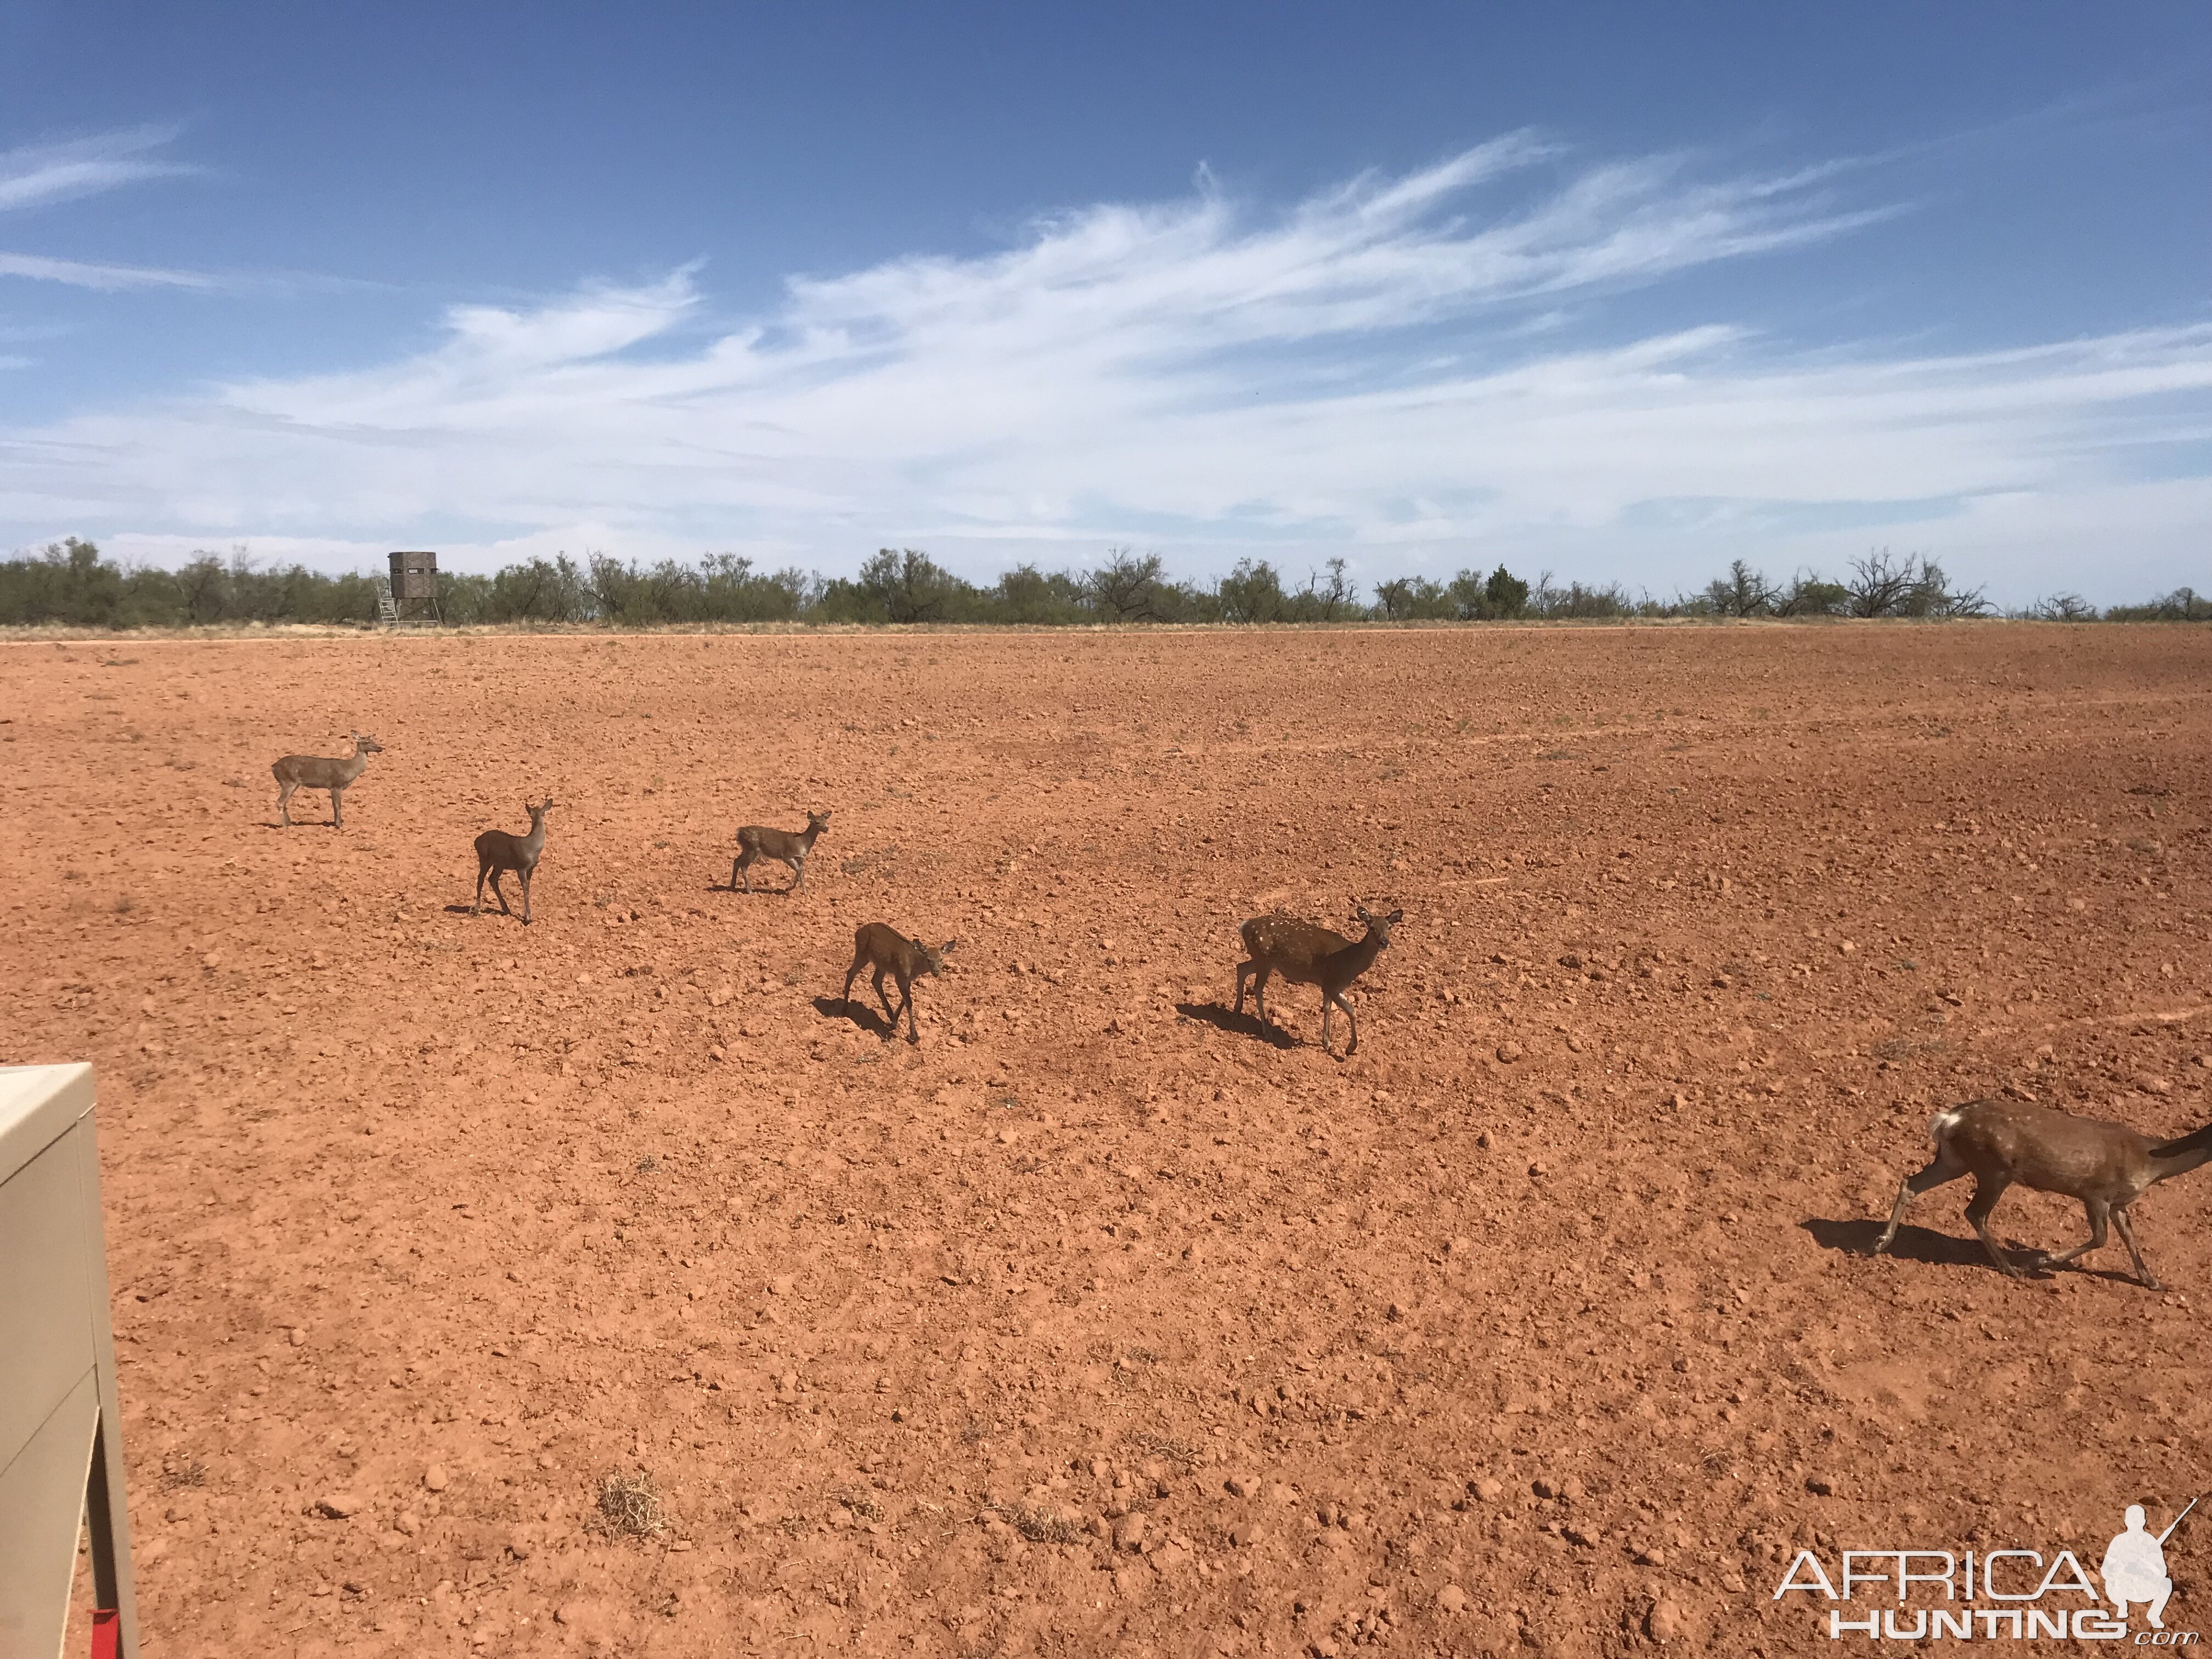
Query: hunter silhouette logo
{"type": "Point", "coordinates": [2133, 1569]}
{"type": "Point", "coordinates": [2015, 1594]}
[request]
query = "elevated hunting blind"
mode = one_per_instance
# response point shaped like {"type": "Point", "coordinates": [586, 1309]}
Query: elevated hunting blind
{"type": "Point", "coordinates": [414, 587]}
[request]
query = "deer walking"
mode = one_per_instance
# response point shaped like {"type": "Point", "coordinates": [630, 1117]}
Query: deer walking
{"type": "Point", "coordinates": [890, 951]}
{"type": "Point", "coordinates": [497, 850]}
{"type": "Point", "coordinates": [322, 772]}
{"type": "Point", "coordinates": [2005, 1143]}
{"type": "Point", "coordinates": [1305, 953]}
{"type": "Point", "coordinates": [784, 846]}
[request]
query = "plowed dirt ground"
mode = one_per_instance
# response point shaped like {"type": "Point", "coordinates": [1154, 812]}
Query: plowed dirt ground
{"type": "Point", "coordinates": [440, 1222]}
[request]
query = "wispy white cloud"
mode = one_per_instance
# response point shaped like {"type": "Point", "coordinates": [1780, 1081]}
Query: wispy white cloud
{"type": "Point", "coordinates": [106, 278]}
{"type": "Point", "coordinates": [1397, 368]}
{"type": "Point", "coordinates": [36, 175]}
{"type": "Point", "coordinates": [41, 175]}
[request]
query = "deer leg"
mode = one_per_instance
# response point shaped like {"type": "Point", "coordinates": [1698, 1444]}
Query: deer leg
{"type": "Point", "coordinates": [1352, 1047]}
{"type": "Point", "coordinates": [1243, 973]}
{"type": "Point", "coordinates": [798, 872]}
{"type": "Point", "coordinates": [2096, 1210]}
{"type": "Point", "coordinates": [906, 1001]}
{"type": "Point", "coordinates": [889, 1013]}
{"type": "Point", "coordinates": [2128, 1237]}
{"type": "Point", "coordinates": [337, 809]}
{"type": "Point", "coordinates": [1940, 1169]}
{"type": "Point", "coordinates": [844, 996]}
{"type": "Point", "coordinates": [743, 862]}
{"type": "Point", "coordinates": [498, 895]}
{"type": "Point", "coordinates": [525, 876]}
{"type": "Point", "coordinates": [1260, 993]}
{"type": "Point", "coordinates": [734, 867]}
{"type": "Point", "coordinates": [1987, 1191]}
{"type": "Point", "coordinates": [284, 802]}
{"type": "Point", "coordinates": [476, 910]}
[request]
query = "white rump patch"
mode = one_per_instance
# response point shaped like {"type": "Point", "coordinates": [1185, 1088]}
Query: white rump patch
{"type": "Point", "coordinates": [1945, 1121]}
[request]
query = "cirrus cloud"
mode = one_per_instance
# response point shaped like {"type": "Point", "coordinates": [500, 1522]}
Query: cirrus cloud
{"type": "Point", "coordinates": [1400, 368]}
{"type": "Point", "coordinates": [41, 175]}
{"type": "Point", "coordinates": [35, 175]}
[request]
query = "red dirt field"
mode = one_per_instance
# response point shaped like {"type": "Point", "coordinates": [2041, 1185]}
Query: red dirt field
{"type": "Point", "coordinates": [1098, 1323]}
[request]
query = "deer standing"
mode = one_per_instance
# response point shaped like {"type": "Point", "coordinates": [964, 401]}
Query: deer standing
{"type": "Point", "coordinates": [784, 846]}
{"type": "Point", "coordinates": [497, 850]}
{"type": "Point", "coordinates": [322, 772]}
{"type": "Point", "coordinates": [890, 951]}
{"type": "Point", "coordinates": [1306, 953]}
{"type": "Point", "coordinates": [2003, 1143]}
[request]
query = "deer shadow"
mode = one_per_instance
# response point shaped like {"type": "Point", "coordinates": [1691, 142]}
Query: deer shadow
{"type": "Point", "coordinates": [858, 1013]}
{"type": "Point", "coordinates": [1228, 1020]}
{"type": "Point", "coordinates": [1945, 1249]}
{"type": "Point", "coordinates": [1856, 1238]}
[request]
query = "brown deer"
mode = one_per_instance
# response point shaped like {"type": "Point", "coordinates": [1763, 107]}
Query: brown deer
{"type": "Point", "coordinates": [1305, 953]}
{"type": "Point", "coordinates": [497, 850]}
{"type": "Point", "coordinates": [321, 772]}
{"type": "Point", "coordinates": [2002, 1143]}
{"type": "Point", "coordinates": [890, 951]}
{"type": "Point", "coordinates": [784, 846]}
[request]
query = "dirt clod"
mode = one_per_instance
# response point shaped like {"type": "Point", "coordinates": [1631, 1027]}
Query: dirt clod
{"type": "Point", "coordinates": [1666, 1622]}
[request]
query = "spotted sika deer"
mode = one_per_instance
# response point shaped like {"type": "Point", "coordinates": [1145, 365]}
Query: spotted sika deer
{"type": "Point", "coordinates": [890, 951]}
{"type": "Point", "coordinates": [1305, 953]}
{"type": "Point", "coordinates": [321, 772]}
{"type": "Point", "coordinates": [497, 850]}
{"type": "Point", "coordinates": [784, 846]}
{"type": "Point", "coordinates": [2005, 1143]}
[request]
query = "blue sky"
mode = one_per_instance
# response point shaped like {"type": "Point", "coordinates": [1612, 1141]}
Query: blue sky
{"type": "Point", "coordinates": [1622, 291]}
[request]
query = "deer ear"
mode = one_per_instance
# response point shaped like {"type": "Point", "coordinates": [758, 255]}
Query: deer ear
{"type": "Point", "coordinates": [949, 943]}
{"type": "Point", "coordinates": [1360, 910]}
{"type": "Point", "coordinates": [1397, 915]}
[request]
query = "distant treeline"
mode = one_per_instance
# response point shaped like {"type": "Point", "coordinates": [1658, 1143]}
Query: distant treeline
{"type": "Point", "coordinates": [70, 584]}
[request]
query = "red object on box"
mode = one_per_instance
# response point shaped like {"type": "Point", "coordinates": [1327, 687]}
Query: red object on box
{"type": "Point", "coordinates": [107, 1632]}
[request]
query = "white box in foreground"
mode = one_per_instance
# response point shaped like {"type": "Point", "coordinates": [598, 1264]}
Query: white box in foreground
{"type": "Point", "coordinates": [61, 1441]}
